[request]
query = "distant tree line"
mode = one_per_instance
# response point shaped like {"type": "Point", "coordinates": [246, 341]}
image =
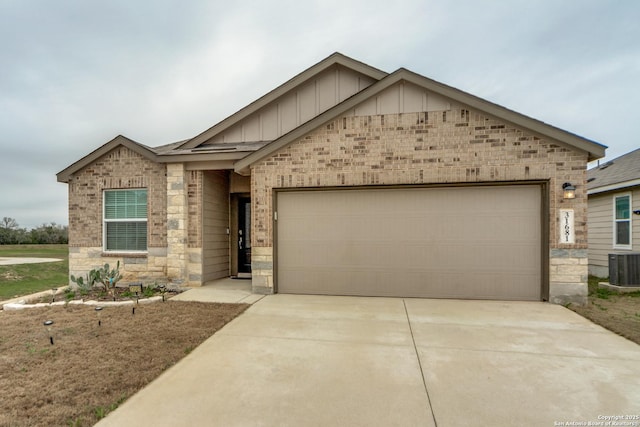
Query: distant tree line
{"type": "Point", "coordinates": [12, 234]}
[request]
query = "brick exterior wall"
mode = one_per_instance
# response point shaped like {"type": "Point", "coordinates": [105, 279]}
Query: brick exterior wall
{"type": "Point", "coordinates": [454, 146]}
{"type": "Point", "coordinates": [119, 169]}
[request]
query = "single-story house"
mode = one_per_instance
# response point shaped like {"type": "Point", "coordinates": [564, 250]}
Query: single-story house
{"type": "Point", "coordinates": [346, 180]}
{"type": "Point", "coordinates": [613, 190]}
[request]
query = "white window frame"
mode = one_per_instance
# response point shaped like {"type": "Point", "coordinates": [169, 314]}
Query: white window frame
{"type": "Point", "coordinates": [629, 220]}
{"type": "Point", "coordinates": [105, 221]}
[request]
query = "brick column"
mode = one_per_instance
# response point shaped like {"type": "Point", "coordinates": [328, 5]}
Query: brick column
{"type": "Point", "coordinates": [177, 223]}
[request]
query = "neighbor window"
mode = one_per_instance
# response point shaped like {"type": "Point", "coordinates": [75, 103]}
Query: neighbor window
{"type": "Point", "coordinates": [125, 220]}
{"type": "Point", "coordinates": [622, 222]}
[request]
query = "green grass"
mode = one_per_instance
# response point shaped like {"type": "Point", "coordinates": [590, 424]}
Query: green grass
{"type": "Point", "coordinates": [603, 293]}
{"type": "Point", "coordinates": [24, 279]}
{"type": "Point", "coordinates": [593, 284]}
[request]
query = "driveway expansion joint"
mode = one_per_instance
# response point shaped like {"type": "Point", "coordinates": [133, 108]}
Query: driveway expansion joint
{"type": "Point", "coordinates": [415, 349]}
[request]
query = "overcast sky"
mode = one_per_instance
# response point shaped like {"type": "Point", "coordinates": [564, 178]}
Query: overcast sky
{"type": "Point", "coordinates": [74, 74]}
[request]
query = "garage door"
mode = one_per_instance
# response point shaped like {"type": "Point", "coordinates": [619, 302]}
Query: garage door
{"type": "Point", "coordinates": [480, 242]}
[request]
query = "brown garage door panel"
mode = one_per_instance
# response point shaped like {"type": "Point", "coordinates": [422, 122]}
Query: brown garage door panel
{"type": "Point", "coordinates": [459, 242]}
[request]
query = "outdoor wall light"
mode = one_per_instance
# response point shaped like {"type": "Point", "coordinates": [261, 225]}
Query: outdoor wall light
{"type": "Point", "coordinates": [569, 191]}
{"type": "Point", "coordinates": [637, 212]}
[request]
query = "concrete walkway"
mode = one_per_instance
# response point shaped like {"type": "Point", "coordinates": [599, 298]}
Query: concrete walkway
{"type": "Point", "coordinates": [222, 290]}
{"type": "Point", "coordinates": [345, 361]}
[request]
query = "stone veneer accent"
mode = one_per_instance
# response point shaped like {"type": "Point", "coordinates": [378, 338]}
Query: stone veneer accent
{"type": "Point", "coordinates": [146, 268]}
{"type": "Point", "coordinates": [177, 223]}
{"type": "Point", "coordinates": [568, 276]}
{"type": "Point", "coordinates": [262, 270]}
{"type": "Point", "coordinates": [121, 168]}
{"type": "Point", "coordinates": [453, 146]}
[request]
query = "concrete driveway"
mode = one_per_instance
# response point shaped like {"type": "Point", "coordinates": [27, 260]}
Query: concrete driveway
{"type": "Point", "coordinates": [346, 361]}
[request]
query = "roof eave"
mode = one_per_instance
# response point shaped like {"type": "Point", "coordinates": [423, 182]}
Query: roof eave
{"type": "Point", "coordinates": [594, 149]}
{"type": "Point", "coordinates": [614, 187]}
{"type": "Point", "coordinates": [201, 157]}
{"type": "Point", "coordinates": [65, 174]}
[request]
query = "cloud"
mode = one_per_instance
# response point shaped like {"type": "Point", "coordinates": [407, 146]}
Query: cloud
{"type": "Point", "coordinates": [76, 73]}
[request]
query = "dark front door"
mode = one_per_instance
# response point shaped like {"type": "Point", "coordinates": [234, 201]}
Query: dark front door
{"type": "Point", "coordinates": [244, 235]}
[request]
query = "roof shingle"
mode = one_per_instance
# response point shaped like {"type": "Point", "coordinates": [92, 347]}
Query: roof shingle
{"type": "Point", "coordinates": [617, 171]}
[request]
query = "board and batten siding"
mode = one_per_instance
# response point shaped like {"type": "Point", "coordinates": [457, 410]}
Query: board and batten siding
{"type": "Point", "coordinates": [215, 241]}
{"type": "Point", "coordinates": [325, 91]}
{"type": "Point", "coordinates": [600, 221]}
{"type": "Point", "coordinates": [402, 97]}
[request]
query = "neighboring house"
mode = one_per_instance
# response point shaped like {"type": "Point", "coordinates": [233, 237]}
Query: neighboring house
{"type": "Point", "coordinates": [346, 180]}
{"type": "Point", "coordinates": [614, 210]}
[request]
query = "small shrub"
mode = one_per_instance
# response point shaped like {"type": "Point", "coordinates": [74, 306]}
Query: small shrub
{"type": "Point", "coordinates": [69, 294]}
{"type": "Point", "coordinates": [148, 291]}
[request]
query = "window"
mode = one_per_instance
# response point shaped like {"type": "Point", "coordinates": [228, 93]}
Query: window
{"type": "Point", "coordinates": [622, 222]}
{"type": "Point", "coordinates": [125, 220]}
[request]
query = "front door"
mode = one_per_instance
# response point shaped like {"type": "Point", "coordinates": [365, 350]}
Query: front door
{"type": "Point", "coordinates": [244, 235]}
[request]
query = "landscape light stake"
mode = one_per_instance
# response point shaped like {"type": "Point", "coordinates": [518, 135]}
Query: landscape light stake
{"type": "Point", "coordinates": [98, 310]}
{"type": "Point", "coordinates": [162, 291]}
{"type": "Point", "coordinates": [133, 309]}
{"type": "Point", "coordinates": [53, 294]}
{"type": "Point", "coordinates": [47, 325]}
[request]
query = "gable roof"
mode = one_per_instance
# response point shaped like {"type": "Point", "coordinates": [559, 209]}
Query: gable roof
{"type": "Point", "coordinates": [594, 149]}
{"type": "Point", "coordinates": [224, 155]}
{"type": "Point", "coordinates": [297, 81]}
{"type": "Point", "coordinates": [239, 156]}
{"type": "Point", "coordinates": [143, 150]}
{"type": "Point", "coordinates": [621, 172]}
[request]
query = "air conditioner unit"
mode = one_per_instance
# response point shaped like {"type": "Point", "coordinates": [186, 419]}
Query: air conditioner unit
{"type": "Point", "coordinates": [624, 269]}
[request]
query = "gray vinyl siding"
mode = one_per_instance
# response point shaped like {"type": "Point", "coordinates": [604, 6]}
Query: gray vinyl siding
{"type": "Point", "coordinates": [635, 220]}
{"type": "Point", "coordinates": [215, 240]}
{"type": "Point", "coordinates": [600, 221]}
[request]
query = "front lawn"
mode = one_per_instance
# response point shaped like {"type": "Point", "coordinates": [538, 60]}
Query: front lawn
{"type": "Point", "coordinates": [24, 279]}
{"type": "Point", "coordinates": [92, 367]}
{"type": "Point", "coordinates": [615, 311]}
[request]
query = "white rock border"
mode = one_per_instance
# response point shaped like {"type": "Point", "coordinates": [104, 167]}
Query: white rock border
{"type": "Point", "coordinates": [21, 305]}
